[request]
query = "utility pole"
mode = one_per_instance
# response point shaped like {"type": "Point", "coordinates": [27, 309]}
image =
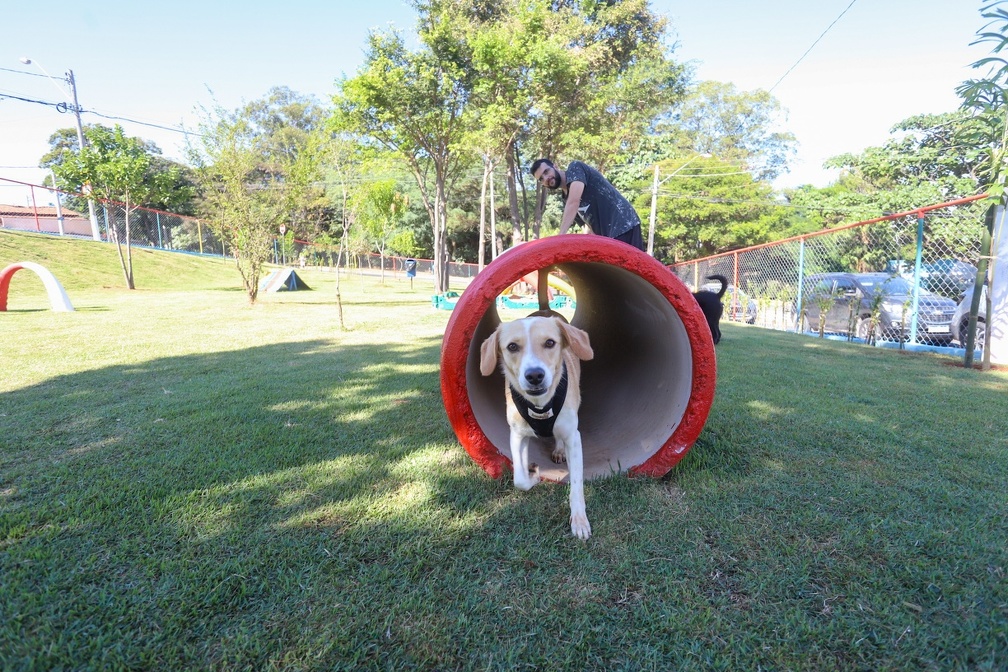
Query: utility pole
{"type": "Point", "coordinates": [69, 79]}
{"type": "Point", "coordinates": [654, 211]}
{"type": "Point", "coordinates": [654, 197]}
{"type": "Point", "coordinates": [80, 139]}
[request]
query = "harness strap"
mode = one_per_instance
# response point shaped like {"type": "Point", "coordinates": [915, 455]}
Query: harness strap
{"type": "Point", "coordinates": [542, 419]}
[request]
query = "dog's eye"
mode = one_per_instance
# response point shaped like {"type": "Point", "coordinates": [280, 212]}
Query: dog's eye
{"type": "Point", "coordinates": [549, 343]}
{"type": "Point", "coordinates": [512, 347]}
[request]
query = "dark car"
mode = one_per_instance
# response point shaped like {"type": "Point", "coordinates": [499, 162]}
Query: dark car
{"type": "Point", "coordinates": [850, 297]}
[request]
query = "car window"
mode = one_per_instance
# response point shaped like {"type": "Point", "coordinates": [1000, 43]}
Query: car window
{"type": "Point", "coordinates": [823, 286]}
{"type": "Point", "coordinates": [896, 285]}
{"type": "Point", "coordinates": [891, 285]}
{"type": "Point", "coordinates": [845, 286]}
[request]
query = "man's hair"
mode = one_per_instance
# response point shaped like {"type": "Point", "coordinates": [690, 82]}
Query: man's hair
{"type": "Point", "coordinates": [541, 162]}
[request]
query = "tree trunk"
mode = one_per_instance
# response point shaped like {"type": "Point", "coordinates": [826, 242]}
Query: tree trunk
{"type": "Point", "coordinates": [129, 249]}
{"type": "Point", "coordinates": [512, 187]}
{"type": "Point", "coordinates": [493, 222]}
{"type": "Point", "coordinates": [481, 257]}
{"type": "Point", "coordinates": [981, 275]}
{"type": "Point", "coordinates": [441, 279]}
{"type": "Point", "coordinates": [539, 207]}
{"type": "Point", "coordinates": [114, 235]}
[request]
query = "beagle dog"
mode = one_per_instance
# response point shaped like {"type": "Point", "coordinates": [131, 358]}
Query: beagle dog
{"type": "Point", "coordinates": [540, 358]}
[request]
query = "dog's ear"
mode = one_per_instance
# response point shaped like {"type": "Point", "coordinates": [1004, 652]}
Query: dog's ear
{"type": "Point", "coordinates": [577, 340]}
{"type": "Point", "coordinates": [488, 353]}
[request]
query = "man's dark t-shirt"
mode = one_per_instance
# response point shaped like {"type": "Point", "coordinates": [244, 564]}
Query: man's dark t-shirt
{"type": "Point", "coordinates": [603, 208]}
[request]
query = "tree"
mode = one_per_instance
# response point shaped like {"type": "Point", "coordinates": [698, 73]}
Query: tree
{"type": "Point", "coordinates": [605, 80]}
{"type": "Point", "coordinates": [381, 209]}
{"type": "Point", "coordinates": [412, 103]}
{"type": "Point", "coordinates": [716, 118]}
{"type": "Point", "coordinates": [927, 149]}
{"type": "Point", "coordinates": [503, 54]}
{"type": "Point", "coordinates": [114, 168]}
{"type": "Point", "coordinates": [170, 185]}
{"type": "Point", "coordinates": [709, 207]}
{"type": "Point", "coordinates": [987, 100]}
{"type": "Point", "coordinates": [255, 177]}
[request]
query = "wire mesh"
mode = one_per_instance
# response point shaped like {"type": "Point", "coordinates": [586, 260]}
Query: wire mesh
{"type": "Point", "coordinates": [919, 266]}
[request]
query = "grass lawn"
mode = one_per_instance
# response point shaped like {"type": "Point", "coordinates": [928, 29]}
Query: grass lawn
{"type": "Point", "coordinates": [191, 482]}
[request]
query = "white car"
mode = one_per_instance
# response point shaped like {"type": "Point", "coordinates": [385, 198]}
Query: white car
{"type": "Point", "coordinates": [960, 319]}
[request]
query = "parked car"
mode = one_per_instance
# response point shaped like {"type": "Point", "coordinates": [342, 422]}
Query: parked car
{"type": "Point", "coordinates": [734, 300]}
{"type": "Point", "coordinates": [960, 320]}
{"type": "Point", "coordinates": [948, 277]}
{"type": "Point", "coordinates": [850, 297]}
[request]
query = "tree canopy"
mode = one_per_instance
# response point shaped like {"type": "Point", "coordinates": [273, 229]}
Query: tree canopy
{"type": "Point", "coordinates": [257, 177]}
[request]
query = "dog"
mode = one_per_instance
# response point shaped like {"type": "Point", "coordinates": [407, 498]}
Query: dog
{"type": "Point", "coordinates": [540, 357]}
{"type": "Point", "coordinates": [710, 304]}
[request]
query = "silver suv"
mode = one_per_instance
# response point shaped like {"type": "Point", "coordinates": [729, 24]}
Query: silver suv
{"type": "Point", "coordinates": [960, 319]}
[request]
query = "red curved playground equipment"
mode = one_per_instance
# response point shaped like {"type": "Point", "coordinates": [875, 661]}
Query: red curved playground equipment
{"type": "Point", "coordinates": [645, 396]}
{"type": "Point", "coordinates": [58, 298]}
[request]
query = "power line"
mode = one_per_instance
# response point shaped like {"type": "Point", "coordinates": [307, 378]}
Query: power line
{"type": "Point", "coordinates": [28, 100]}
{"type": "Point", "coordinates": [22, 72]}
{"type": "Point", "coordinates": [99, 114]}
{"type": "Point", "coordinates": [142, 123]}
{"type": "Point", "coordinates": [812, 47]}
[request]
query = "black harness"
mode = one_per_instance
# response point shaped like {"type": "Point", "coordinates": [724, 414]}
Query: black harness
{"type": "Point", "coordinates": [541, 420]}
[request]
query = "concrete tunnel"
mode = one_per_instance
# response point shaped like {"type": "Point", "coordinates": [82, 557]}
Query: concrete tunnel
{"type": "Point", "coordinates": [646, 394]}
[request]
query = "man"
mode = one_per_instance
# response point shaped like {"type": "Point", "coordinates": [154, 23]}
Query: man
{"type": "Point", "coordinates": [592, 199]}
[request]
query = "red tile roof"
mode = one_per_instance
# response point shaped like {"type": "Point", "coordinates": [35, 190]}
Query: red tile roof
{"type": "Point", "coordinates": [43, 211]}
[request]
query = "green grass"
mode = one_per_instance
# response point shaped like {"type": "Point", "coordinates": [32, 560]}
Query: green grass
{"type": "Point", "coordinates": [190, 482]}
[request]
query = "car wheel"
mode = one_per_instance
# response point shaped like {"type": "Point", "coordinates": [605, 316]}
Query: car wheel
{"type": "Point", "coordinates": [862, 330]}
{"type": "Point", "coordinates": [981, 330]}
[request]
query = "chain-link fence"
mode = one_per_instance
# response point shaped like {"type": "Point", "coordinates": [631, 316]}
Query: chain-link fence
{"type": "Point", "coordinates": [905, 277]}
{"type": "Point", "coordinates": [153, 228]}
{"type": "Point", "coordinates": [148, 227]}
{"type": "Point", "coordinates": [168, 231]}
{"type": "Point", "coordinates": [899, 278]}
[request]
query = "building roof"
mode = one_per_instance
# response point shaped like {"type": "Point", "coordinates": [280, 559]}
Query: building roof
{"type": "Point", "coordinates": [48, 211]}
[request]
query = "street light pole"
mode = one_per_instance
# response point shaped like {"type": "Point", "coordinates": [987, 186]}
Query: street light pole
{"type": "Point", "coordinates": [95, 233]}
{"type": "Point", "coordinates": [654, 197]}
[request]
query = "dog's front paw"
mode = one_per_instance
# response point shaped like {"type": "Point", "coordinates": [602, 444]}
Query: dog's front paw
{"type": "Point", "coordinates": [530, 480]}
{"type": "Point", "coordinates": [559, 455]}
{"type": "Point", "coordinates": [580, 527]}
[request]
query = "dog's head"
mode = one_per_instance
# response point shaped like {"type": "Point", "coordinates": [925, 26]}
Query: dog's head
{"type": "Point", "coordinates": [530, 352]}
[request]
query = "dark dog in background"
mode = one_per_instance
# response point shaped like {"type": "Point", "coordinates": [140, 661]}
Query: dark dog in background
{"type": "Point", "coordinates": [710, 304]}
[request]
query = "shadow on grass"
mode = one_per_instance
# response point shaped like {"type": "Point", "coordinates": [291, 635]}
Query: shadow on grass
{"type": "Point", "coordinates": [305, 505]}
{"type": "Point", "coordinates": [240, 431]}
{"type": "Point", "coordinates": [204, 508]}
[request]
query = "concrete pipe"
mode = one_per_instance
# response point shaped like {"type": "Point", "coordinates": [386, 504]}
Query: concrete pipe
{"type": "Point", "coordinates": [645, 395]}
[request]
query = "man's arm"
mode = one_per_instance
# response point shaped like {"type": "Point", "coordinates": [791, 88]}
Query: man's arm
{"type": "Point", "coordinates": [571, 206]}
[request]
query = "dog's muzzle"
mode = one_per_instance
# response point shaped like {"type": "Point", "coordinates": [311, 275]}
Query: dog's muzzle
{"type": "Point", "coordinates": [534, 377]}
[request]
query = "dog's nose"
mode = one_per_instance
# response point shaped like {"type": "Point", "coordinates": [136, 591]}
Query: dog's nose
{"type": "Point", "coordinates": [535, 376]}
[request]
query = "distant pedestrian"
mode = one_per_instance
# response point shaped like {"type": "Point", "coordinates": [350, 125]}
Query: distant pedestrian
{"type": "Point", "coordinates": [591, 199]}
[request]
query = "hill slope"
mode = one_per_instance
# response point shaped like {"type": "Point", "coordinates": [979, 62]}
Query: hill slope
{"type": "Point", "coordinates": [82, 265]}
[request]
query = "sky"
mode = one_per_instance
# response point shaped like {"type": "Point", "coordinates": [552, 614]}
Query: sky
{"type": "Point", "coordinates": [879, 62]}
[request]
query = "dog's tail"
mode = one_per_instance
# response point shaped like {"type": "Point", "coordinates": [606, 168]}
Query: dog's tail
{"type": "Point", "coordinates": [724, 284]}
